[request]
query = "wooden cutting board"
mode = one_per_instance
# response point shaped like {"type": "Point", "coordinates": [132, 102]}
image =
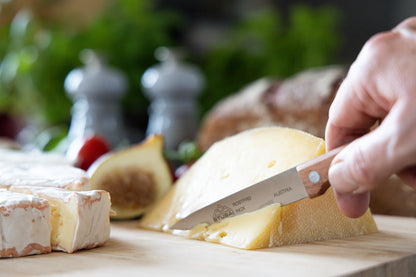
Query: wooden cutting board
{"type": "Point", "coordinates": [135, 252]}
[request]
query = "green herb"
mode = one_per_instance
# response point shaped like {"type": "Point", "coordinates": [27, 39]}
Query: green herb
{"type": "Point", "coordinates": [187, 152]}
{"type": "Point", "coordinates": [36, 55]}
{"type": "Point", "coordinates": [267, 45]}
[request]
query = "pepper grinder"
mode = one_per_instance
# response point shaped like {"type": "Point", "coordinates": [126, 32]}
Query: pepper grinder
{"type": "Point", "coordinates": [172, 87]}
{"type": "Point", "coordinates": [96, 90]}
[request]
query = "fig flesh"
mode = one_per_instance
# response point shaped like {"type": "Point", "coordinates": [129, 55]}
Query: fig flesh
{"type": "Point", "coordinates": [135, 177]}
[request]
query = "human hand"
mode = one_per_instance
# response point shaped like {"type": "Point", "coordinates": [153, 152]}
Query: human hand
{"type": "Point", "coordinates": [380, 87]}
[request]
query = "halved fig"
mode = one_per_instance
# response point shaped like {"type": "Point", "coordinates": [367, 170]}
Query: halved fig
{"type": "Point", "coordinates": [135, 177]}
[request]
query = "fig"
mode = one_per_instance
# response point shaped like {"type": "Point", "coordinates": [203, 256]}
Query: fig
{"type": "Point", "coordinates": [136, 177]}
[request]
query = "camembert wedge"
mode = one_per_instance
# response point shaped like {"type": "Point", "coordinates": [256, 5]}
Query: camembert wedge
{"type": "Point", "coordinates": [238, 162]}
{"type": "Point", "coordinates": [43, 175]}
{"type": "Point", "coordinates": [24, 225]}
{"type": "Point", "coordinates": [79, 219]}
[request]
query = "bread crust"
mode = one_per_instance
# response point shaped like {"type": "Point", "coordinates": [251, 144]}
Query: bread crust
{"type": "Point", "coordinates": [301, 102]}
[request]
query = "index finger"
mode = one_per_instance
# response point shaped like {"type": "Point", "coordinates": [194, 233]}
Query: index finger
{"type": "Point", "coordinates": [353, 112]}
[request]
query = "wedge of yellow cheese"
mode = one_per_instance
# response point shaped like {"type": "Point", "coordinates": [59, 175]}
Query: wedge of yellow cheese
{"type": "Point", "coordinates": [238, 162]}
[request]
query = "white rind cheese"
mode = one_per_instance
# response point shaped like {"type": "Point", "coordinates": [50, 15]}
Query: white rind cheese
{"type": "Point", "coordinates": [46, 204]}
{"type": "Point", "coordinates": [24, 225]}
{"type": "Point", "coordinates": [80, 219]}
{"type": "Point", "coordinates": [43, 175]}
{"type": "Point", "coordinates": [21, 156]}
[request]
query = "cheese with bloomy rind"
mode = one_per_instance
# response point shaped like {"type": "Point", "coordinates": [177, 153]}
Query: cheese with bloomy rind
{"type": "Point", "coordinates": [238, 162]}
{"type": "Point", "coordinates": [79, 219]}
{"type": "Point", "coordinates": [17, 156]}
{"type": "Point", "coordinates": [43, 175]}
{"type": "Point", "coordinates": [24, 225]}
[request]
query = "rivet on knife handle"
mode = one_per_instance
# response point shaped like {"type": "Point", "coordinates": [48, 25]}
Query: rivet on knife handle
{"type": "Point", "coordinates": [314, 173]}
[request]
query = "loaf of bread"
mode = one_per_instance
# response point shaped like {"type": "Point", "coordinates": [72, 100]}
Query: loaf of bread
{"type": "Point", "coordinates": [300, 102]}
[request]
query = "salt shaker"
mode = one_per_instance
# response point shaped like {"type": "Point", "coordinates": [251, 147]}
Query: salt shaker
{"type": "Point", "coordinates": [96, 90]}
{"type": "Point", "coordinates": [173, 87]}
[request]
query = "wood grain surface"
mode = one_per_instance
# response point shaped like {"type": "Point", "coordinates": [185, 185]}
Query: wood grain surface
{"type": "Point", "coordinates": [135, 252]}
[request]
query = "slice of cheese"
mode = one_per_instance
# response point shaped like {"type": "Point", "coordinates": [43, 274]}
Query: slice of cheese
{"type": "Point", "coordinates": [251, 230]}
{"type": "Point", "coordinates": [24, 225]}
{"type": "Point", "coordinates": [22, 156]}
{"type": "Point", "coordinates": [238, 162]}
{"type": "Point", "coordinates": [43, 174]}
{"type": "Point", "coordinates": [79, 219]}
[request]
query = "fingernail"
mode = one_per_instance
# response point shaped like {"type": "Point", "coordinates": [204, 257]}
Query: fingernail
{"type": "Point", "coordinates": [340, 178]}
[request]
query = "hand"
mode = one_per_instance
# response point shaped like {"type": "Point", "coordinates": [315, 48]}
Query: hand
{"type": "Point", "coordinates": [380, 88]}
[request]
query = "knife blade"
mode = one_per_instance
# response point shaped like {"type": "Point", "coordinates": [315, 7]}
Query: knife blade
{"type": "Point", "coordinates": [309, 179]}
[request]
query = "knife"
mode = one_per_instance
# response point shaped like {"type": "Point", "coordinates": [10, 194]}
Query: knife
{"type": "Point", "coordinates": [309, 179]}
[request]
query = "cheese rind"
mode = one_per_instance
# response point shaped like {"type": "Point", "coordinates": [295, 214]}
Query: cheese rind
{"type": "Point", "coordinates": [22, 156]}
{"type": "Point", "coordinates": [24, 225]}
{"type": "Point", "coordinates": [275, 226]}
{"type": "Point", "coordinates": [44, 175]}
{"type": "Point", "coordinates": [238, 162]}
{"type": "Point", "coordinates": [79, 219]}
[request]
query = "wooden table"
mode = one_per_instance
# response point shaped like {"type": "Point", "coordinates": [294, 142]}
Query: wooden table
{"type": "Point", "coordinates": [135, 252]}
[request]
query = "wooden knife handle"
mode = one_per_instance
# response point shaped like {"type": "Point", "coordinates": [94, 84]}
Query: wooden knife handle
{"type": "Point", "coordinates": [314, 173]}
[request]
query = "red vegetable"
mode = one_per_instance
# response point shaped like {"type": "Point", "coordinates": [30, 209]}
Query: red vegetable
{"type": "Point", "coordinates": [181, 170]}
{"type": "Point", "coordinates": [172, 170]}
{"type": "Point", "coordinates": [85, 151]}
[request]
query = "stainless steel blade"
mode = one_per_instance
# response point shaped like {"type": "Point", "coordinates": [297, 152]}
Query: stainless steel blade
{"type": "Point", "coordinates": [285, 188]}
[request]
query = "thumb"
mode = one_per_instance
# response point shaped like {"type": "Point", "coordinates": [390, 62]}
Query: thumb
{"type": "Point", "coordinates": [356, 170]}
{"type": "Point", "coordinates": [369, 160]}
{"type": "Point", "coordinates": [362, 165]}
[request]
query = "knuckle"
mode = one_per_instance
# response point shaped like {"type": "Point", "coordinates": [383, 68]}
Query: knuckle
{"type": "Point", "coordinates": [409, 23]}
{"type": "Point", "coordinates": [379, 43]}
{"type": "Point", "coordinates": [375, 54]}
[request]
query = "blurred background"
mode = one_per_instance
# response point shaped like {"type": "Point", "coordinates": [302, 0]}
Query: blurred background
{"type": "Point", "coordinates": [232, 43]}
